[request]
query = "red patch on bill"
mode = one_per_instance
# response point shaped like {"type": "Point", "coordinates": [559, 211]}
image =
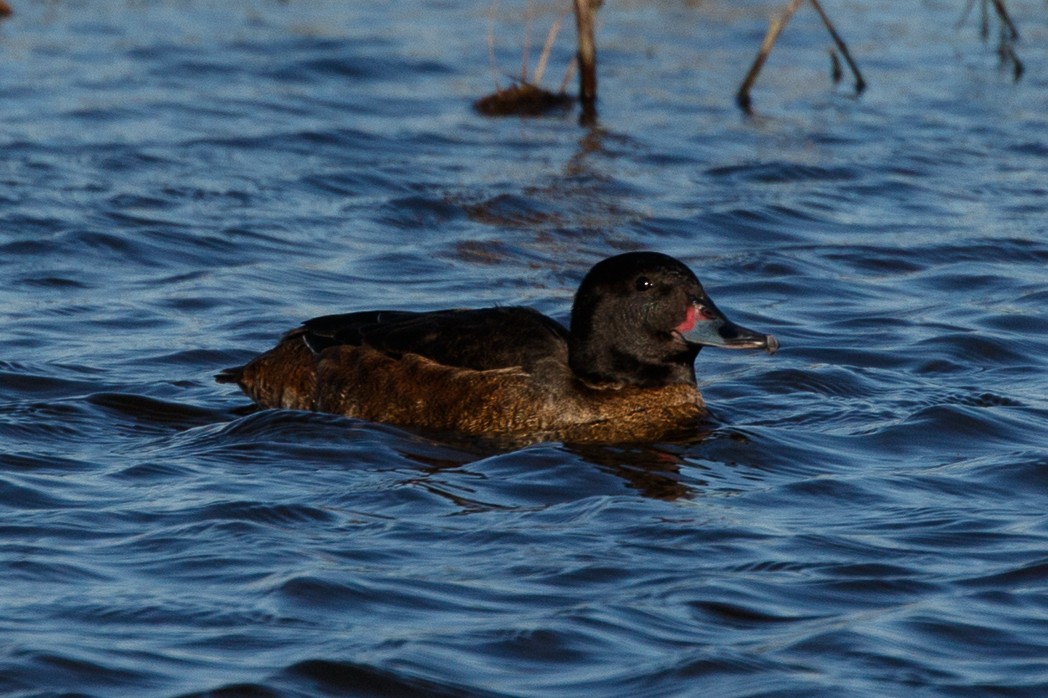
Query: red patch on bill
{"type": "Point", "coordinates": [689, 320]}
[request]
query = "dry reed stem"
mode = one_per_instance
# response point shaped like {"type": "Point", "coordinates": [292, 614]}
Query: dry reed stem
{"type": "Point", "coordinates": [742, 97]}
{"type": "Point", "coordinates": [573, 64]}
{"type": "Point", "coordinates": [860, 84]}
{"type": "Point", "coordinates": [1002, 12]}
{"type": "Point", "coordinates": [587, 55]}
{"type": "Point", "coordinates": [540, 68]}
{"type": "Point", "coordinates": [529, 18]}
{"type": "Point", "coordinates": [491, 45]}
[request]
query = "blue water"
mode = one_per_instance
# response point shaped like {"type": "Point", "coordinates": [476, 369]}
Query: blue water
{"type": "Point", "coordinates": [864, 515]}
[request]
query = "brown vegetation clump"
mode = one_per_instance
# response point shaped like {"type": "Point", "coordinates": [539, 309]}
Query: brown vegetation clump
{"type": "Point", "coordinates": [522, 99]}
{"type": "Point", "coordinates": [525, 97]}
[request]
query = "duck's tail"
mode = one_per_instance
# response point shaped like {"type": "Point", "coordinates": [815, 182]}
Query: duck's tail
{"type": "Point", "coordinates": [230, 375]}
{"type": "Point", "coordinates": [285, 376]}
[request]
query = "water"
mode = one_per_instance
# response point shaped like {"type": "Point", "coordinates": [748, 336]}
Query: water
{"type": "Point", "coordinates": [864, 515]}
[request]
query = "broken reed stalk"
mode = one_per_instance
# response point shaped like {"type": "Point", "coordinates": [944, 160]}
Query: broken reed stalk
{"type": "Point", "coordinates": [967, 13]}
{"type": "Point", "coordinates": [836, 74]}
{"type": "Point", "coordinates": [1002, 12]}
{"type": "Point", "coordinates": [1009, 35]}
{"type": "Point", "coordinates": [1009, 32]}
{"type": "Point", "coordinates": [587, 57]}
{"type": "Point", "coordinates": [860, 84]}
{"type": "Point", "coordinates": [540, 67]}
{"type": "Point", "coordinates": [1006, 53]}
{"type": "Point", "coordinates": [568, 74]}
{"type": "Point", "coordinates": [491, 45]}
{"type": "Point", "coordinates": [984, 18]}
{"type": "Point", "coordinates": [742, 97]}
{"type": "Point", "coordinates": [525, 57]}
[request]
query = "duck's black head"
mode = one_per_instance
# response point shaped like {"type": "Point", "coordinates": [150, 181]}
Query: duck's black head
{"type": "Point", "coordinates": [641, 318]}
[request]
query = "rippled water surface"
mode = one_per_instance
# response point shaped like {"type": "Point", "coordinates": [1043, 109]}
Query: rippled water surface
{"type": "Point", "coordinates": [865, 513]}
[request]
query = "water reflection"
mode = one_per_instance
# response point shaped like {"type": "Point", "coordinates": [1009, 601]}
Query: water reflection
{"type": "Point", "coordinates": [653, 470]}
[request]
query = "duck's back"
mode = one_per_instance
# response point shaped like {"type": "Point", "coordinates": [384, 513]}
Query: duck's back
{"type": "Point", "coordinates": [479, 340]}
{"type": "Point", "coordinates": [410, 368]}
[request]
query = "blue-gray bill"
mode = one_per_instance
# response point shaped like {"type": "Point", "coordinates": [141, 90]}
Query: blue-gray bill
{"type": "Point", "coordinates": [711, 328]}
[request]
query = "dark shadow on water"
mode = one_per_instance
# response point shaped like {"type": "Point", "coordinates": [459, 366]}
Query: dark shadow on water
{"type": "Point", "coordinates": [146, 410]}
{"type": "Point", "coordinates": [324, 677]}
{"type": "Point", "coordinates": [651, 469]}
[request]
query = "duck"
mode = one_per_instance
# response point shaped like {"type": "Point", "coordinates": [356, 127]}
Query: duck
{"type": "Point", "coordinates": [623, 371]}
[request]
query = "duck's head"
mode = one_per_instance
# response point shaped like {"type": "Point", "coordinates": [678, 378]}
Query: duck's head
{"type": "Point", "coordinates": [641, 318]}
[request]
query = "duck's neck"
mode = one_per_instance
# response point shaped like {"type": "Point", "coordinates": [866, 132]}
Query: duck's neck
{"type": "Point", "coordinates": [604, 363]}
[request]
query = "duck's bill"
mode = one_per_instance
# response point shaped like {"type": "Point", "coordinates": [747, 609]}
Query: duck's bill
{"type": "Point", "coordinates": [712, 329]}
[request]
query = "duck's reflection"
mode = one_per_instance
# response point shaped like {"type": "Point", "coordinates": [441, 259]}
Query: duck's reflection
{"type": "Point", "coordinates": [651, 469]}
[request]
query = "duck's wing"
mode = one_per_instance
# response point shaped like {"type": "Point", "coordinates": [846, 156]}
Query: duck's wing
{"type": "Point", "coordinates": [484, 339]}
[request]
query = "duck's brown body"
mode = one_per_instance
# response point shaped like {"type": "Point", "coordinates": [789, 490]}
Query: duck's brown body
{"type": "Point", "coordinates": [411, 390]}
{"type": "Point", "coordinates": [623, 372]}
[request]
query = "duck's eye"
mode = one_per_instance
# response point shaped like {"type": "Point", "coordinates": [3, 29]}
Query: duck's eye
{"type": "Point", "coordinates": [643, 283]}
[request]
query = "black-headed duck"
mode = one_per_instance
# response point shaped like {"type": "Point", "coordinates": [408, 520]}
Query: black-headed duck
{"type": "Point", "coordinates": [623, 372]}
